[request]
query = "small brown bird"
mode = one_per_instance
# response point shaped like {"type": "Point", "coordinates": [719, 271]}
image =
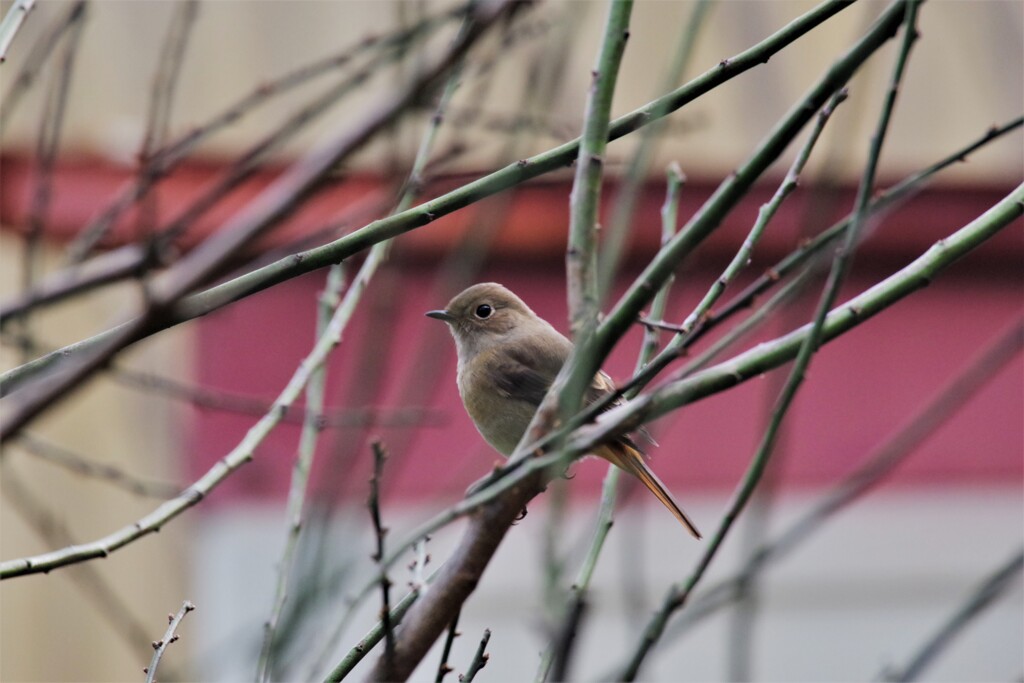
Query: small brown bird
{"type": "Point", "coordinates": [508, 357]}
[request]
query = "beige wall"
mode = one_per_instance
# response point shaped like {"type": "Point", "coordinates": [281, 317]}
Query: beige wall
{"type": "Point", "coordinates": [61, 627]}
{"type": "Point", "coordinates": [966, 75]}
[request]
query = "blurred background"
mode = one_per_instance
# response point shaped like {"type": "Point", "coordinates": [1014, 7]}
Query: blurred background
{"type": "Point", "coordinates": [856, 597]}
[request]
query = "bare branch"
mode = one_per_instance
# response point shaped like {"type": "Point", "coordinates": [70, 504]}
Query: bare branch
{"type": "Point", "coordinates": [160, 646]}
{"type": "Point", "coordinates": [479, 660]}
{"type": "Point", "coordinates": [328, 304]}
{"type": "Point", "coordinates": [87, 467]}
{"type": "Point", "coordinates": [444, 668]}
{"type": "Point", "coordinates": [12, 21]}
{"type": "Point", "coordinates": [380, 531]}
{"type": "Point", "coordinates": [37, 56]}
{"type": "Point", "coordinates": [991, 589]}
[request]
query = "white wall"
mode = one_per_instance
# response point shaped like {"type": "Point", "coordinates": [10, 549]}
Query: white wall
{"type": "Point", "coordinates": [862, 594]}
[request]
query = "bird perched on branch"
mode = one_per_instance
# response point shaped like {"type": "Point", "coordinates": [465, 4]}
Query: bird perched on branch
{"type": "Point", "coordinates": [508, 358]}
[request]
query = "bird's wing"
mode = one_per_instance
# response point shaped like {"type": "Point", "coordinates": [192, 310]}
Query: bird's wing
{"type": "Point", "coordinates": [526, 369]}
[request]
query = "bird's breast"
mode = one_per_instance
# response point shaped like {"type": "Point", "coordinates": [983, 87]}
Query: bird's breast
{"type": "Point", "coordinates": [501, 419]}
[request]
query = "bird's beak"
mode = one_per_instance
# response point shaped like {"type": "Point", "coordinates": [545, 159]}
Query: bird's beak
{"type": "Point", "coordinates": [440, 315]}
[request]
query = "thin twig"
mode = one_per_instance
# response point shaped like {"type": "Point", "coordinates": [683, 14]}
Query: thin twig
{"type": "Point", "coordinates": [764, 216]}
{"type": "Point", "coordinates": [160, 646]}
{"type": "Point", "coordinates": [569, 388]}
{"type": "Point", "coordinates": [51, 125]}
{"type": "Point", "coordinates": [669, 224]}
{"type": "Point", "coordinates": [165, 80]}
{"type": "Point", "coordinates": [479, 660]}
{"type": "Point", "coordinates": [633, 179]}
{"type": "Point", "coordinates": [171, 155]}
{"type": "Point", "coordinates": [161, 100]}
{"type": "Point", "coordinates": [37, 56]}
{"type": "Point", "coordinates": [991, 589]}
{"type": "Point", "coordinates": [87, 467]}
{"type": "Point", "coordinates": [444, 668]}
{"type": "Point", "coordinates": [12, 21]}
{"type": "Point", "coordinates": [374, 636]}
{"type": "Point", "coordinates": [380, 531]}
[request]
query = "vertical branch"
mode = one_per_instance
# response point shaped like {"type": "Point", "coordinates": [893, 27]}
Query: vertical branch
{"type": "Point", "coordinates": [160, 646]}
{"type": "Point", "coordinates": [380, 531]}
{"type": "Point", "coordinates": [581, 255]}
{"type": "Point", "coordinates": [568, 389]}
{"type": "Point", "coordinates": [51, 124]}
{"type": "Point", "coordinates": [625, 200]}
{"type": "Point", "coordinates": [553, 552]}
{"type": "Point", "coordinates": [444, 668]}
{"type": "Point", "coordinates": [311, 427]}
{"type": "Point", "coordinates": [669, 217]}
{"type": "Point", "coordinates": [161, 99]}
{"type": "Point", "coordinates": [479, 660]}
{"type": "Point", "coordinates": [555, 660]}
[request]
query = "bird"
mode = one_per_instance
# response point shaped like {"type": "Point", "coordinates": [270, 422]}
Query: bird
{"type": "Point", "coordinates": [508, 356]}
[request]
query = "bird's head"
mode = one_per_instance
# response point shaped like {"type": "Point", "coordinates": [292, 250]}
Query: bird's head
{"type": "Point", "coordinates": [482, 315]}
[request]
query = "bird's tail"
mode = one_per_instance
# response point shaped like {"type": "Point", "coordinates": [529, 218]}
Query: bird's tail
{"type": "Point", "coordinates": [630, 459]}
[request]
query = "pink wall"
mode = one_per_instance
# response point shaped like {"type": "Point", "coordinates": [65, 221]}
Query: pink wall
{"type": "Point", "coordinates": [861, 388]}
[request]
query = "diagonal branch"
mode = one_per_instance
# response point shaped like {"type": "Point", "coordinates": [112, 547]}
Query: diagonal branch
{"type": "Point", "coordinates": [878, 465]}
{"type": "Point", "coordinates": [988, 592]}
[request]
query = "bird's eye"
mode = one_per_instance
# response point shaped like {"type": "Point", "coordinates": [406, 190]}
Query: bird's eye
{"type": "Point", "coordinates": [484, 311]}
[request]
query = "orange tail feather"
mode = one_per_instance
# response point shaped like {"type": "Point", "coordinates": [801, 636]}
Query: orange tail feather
{"type": "Point", "coordinates": [629, 459]}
